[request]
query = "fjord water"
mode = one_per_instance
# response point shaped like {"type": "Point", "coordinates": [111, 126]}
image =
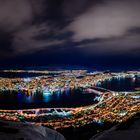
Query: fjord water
{"type": "Point", "coordinates": [67, 98]}
{"type": "Point", "coordinates": [121, 83]}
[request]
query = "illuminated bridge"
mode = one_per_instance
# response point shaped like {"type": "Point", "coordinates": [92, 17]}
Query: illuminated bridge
{"type": "Point", "coordinates": [43, 111]}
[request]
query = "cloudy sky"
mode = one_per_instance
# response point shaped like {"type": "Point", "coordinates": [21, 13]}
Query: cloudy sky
{"type": "Point", "coordinates": [90, 33]}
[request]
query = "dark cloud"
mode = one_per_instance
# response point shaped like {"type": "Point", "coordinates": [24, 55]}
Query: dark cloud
{"type": "Point", "coordinates": [84, 27]}
{"type": "Point", "coordinates": [116, 23]}
{"type": "Point", "coordinates": [23, 21]}
{"type": "Point", "coordinates": [134, 30]}
{"type": "Point", "coordinates": [72, 9]}
{"type": "Point", "coordinates": [109, 19]}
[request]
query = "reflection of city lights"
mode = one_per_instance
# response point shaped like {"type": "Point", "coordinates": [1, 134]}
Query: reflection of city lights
{"type": "Point", "coordinates": [46, 96]}
{"type": "Point", "coordinates": [112, 106]}
{"type": "Point", "coordinates": [46, 92]}
{"type": "Point", "coordinates": [29, 99]}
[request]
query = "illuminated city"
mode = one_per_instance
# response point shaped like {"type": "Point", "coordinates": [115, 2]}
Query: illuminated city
{"type": "Point", "coordinates": [70, 69]}
{"type": "Point", "coordinates": [110, 106]}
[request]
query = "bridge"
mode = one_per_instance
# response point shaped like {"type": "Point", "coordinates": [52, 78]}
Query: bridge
{"type": "Point", "coordinates": [43, 111]}
{"type": "Point", "coordinates": [96, 90]}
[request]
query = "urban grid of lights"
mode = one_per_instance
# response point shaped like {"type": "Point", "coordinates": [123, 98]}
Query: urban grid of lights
{"type": "Point", "coordinates": [112, 106]}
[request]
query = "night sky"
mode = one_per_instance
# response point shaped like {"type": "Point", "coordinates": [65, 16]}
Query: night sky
{"type": "Point", "coordinates": [86, 33]}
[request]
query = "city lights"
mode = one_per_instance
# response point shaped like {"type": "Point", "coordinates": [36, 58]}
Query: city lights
{"type": "Point", "coordinates": [111, 106]}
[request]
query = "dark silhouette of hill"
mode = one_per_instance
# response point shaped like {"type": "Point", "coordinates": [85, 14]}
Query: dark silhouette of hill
{"type": "Point", "coordinates": [129, 130]}
{"type": "Point", "coordinates": [24, 131]}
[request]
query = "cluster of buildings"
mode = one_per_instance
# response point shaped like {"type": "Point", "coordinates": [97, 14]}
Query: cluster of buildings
{"type": "Point", "coordinates": [51, 83]}
{"type": "Point", "coordinates": [113, 107]}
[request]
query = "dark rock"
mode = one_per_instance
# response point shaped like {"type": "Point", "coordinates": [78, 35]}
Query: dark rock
{"type": "Point", "coordinates": [129, 130]}
{"type": "Point", "coordinates": [24, 131]}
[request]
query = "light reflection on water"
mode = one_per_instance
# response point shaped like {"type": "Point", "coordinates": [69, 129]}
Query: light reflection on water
{"type": "Point", "coordinates": [121, 83]}
{"type": "Point", "coordinates": [67, 98]}
{"type": "Point", "coordinates": [46, 97]}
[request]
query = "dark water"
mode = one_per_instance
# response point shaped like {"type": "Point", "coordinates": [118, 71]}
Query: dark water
{"type": "Point", "coordinates": [23, 74]}
{"type": "Point", "coordinates": [121, 84]}
{"type": "Point", "coordinates": [68, 98]}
